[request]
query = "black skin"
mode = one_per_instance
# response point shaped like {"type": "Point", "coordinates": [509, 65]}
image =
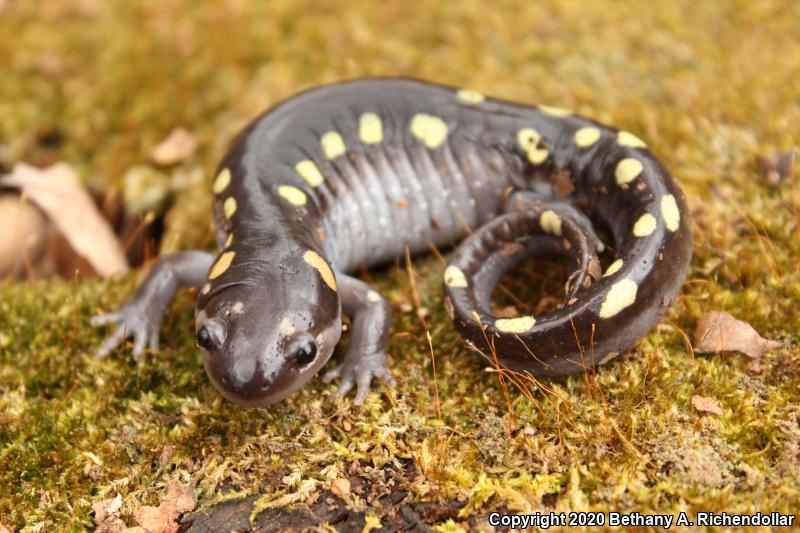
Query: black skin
{"type": "Point", "coordinates": [269, 311]}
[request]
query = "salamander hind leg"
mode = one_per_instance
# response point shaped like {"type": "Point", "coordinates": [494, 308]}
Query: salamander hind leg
{"type": "Point", "coordinates": [365, 358]}
{"type": "Point", "coordinates": [541, 345]}
{"type": "Point", "coordinates": [140, 317]}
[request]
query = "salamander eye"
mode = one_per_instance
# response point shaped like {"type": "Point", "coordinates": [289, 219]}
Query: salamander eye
{"type": "Point", "coordinates": [305, 353]}
{"type": "Point", "coordinates": [204, 338]}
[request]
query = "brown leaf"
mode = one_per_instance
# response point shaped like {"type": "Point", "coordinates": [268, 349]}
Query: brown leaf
{"type": "Point", "coordinates": [57, 190]}
{"type": "Point", "coordinates": [341, 487]}
{"type": "Point", "coordinates": [106, 515]}
{"type": "Point", "coordinates": [161, 519]}
{"type": "Point", "coordinates": [178, 146]}
{"type": "Point", "coordinates": [720, 332]}
{"type": "Point", "coordinates": [777, 167]}
{"type": "Point", "coordinates": [707, 405]}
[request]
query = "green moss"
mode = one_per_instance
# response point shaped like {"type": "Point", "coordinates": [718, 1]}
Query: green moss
{"type": "Point", "coordinates": [709, 84]}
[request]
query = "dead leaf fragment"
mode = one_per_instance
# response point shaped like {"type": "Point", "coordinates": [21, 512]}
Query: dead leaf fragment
{"type": "Point", "coordinates": [341, 487]}
{"type": "Point", "coordinates": [106, 515]}
{"type": "Point", "coordinates": [161, 519]}
{"type": "Point", "coordinates": [777, 167]}
{"type": "Point", "coordinates": [179, 146]}
{"type": "Point", "coordinates": [720, 332]}
{"type": "Point", "coordinates": [708, 405]}
{"type": "Point", "coordinates": [57, 190]}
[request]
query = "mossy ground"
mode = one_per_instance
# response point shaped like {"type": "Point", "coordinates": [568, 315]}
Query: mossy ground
{"type": "Point", "coordinates": [709, 84]}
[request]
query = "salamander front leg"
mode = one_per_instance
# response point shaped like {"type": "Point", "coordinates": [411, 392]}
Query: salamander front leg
{"type": "Point", "coordinates": [365, 358]}
{"type": "Point", "coordinates": [140, 317]}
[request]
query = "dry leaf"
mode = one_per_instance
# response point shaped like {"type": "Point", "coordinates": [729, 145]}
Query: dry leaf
{"type": "Point", "coordinates": [161, 519]}
{"type": "Point", "coordinates": [178, 146]}
{"type": "Point", "coordinates": [58, 191]}
{"type": "Point", "coordinates": [707, 405]}
{"type": "Point", "coordinates": [341, 487]}
{"type": "Point", "coordinates": [720, 332]}
{"type": "Point", "coordinates": [106, 516]}
{"type": "Point", "coordinates": [776, 168]}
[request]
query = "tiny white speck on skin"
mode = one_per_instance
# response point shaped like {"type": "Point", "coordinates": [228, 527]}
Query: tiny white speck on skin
{"type": "Point", "coordinates": [286, 326]}
{"type": "Point", "coordinates": [520, 324]}
{"type": "Point", "coordinates": [237, 308]}
{"type": "Point", "coordinates": [645, 225]}
{"type": "Point", "coordinates": [626, 138]}
{"type": "Point", "coordinates": [627, 170]}
{"type": "Point", "coordinates": [554, 111]}
{"type": "Point", "coordinates": [468, 96]}
{"type": "Point", "coordinates": [373, 296]}
{"type": "Point", "coordinates": [454, 277]}
{"type": "Point", "coordinates": [309, 172]}
{"type": "Point", "coordinates": [222, 181]}
{"type": "Point", "coordinates": [430, 129]}
{"type": "Point", "coordinates": [621, 295]}
{"type": "Point", "coordinates": [613, 268]}
{"type": "Point", "coordinates": [370, 128]}
{"type": "Point", "coordinates": [585, 137]}
{"type": "Point", "coordinates": [528, 139]}
{"type": "Point", "coordinates": [332, 145]}
{"type": "Point", "coordinates": [293, 195]}
{"type": "Point", "coordinates": [672, 215]}
{"type": "Point", "coordinates": [550, 223]}
{"type": "Point", "coordinates": [229, 207]}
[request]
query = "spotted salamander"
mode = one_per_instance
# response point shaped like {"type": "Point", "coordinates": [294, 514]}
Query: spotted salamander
{"type": "Point", "coordinates": [353, 174]}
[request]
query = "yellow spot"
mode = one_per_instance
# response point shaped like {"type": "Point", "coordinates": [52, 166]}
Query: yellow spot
{"type": "Point", "coordinates": [206, 289]}
{"type": "Point", "coordinates": [229, 206]}
{"type": "Point", "coordinates": [645, 225]}
{"type": "Point", "coordinates": [229, 240]}
{"type": "Point", "coordinates": [222, 181]}
{"type": "Point", "coordinates": [621, 295]}
{"type": "Point", "coordinates": [613, 268]}
{"type": "Point", "coordinates": [627, 170]}
{"type": "Point", "coordinates": [370, 128]}
{"type": "Point", "coordinates": [528, 140]}
{"type": "Point", "coordinates": [237, 308]}
{"type": "Point", "coordinates": [315, 260]}
{"type": "Point", "coordinates": [585, 137]}
{"type": "Point", "coordinates": [332, 145]}
{"type": "Point", "coordinates": [373, 296]}
{"type": "Point", "coordinates": [429, 129]}
{"type": "Point", "coordinates": [286, 326]}
{"type": "Point", "coordinates": [554, 111]}
{"type": "Point", "coordinates": [454, 277]}
{"type": "Point", "coordinates": [519, 324]}
{"type": "Point", "coordinates": [672, 216]}
{"type": "Point", "coordinates": [468, 96]}
{"type": "Point", "coordinates": [626, 138]}
{"type": "Point", "coordinates": [309, 172]}
{"type": "Point", "coordinates": [221, 265]}
{"type": "Point", "coordinates": [293, 195]}
{"type": "Point", "coordinates": [550, 223]}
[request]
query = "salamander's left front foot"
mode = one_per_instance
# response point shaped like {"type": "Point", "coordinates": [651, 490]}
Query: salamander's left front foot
{"type": "Point", "coordinates": [365, 358]}
{"type": "Point", "coordinates": [360, 369]}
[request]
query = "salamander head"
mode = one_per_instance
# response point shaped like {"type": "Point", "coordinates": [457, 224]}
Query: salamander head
{"type": "Point", "coordinates": [267, 326]}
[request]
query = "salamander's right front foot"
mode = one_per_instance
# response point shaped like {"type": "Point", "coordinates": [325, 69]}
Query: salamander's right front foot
{"type": "Point", "coordinates": [133, 322]}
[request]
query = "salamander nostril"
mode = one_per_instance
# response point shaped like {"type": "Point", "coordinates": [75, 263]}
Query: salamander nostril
{"type": "Point", "coordinates": [305, 353]}
{"type": "Point", "coordinates": [204, 338]}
